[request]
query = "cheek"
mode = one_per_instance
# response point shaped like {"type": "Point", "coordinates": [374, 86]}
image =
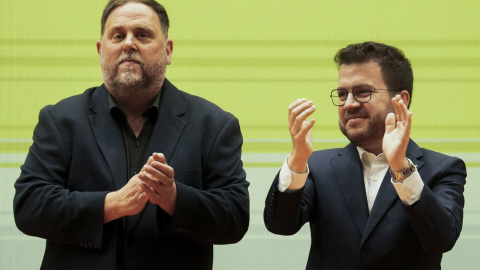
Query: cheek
{"type": "Point", "coordinates": [341, 114]}
{"type": "Point", "coordinates": [112, 51]}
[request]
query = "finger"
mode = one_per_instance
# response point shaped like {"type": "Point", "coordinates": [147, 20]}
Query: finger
{"type": "Point", "coordinates": [390, 123]}
{"type": "Point", "coordinates": [160, 157]}
{"type": "Point", "coordinates": [149, 162]}
{"type": "Point", "coordinates": [304, 111]}
{"type": "Point", "coordinates": [408, 123]}
{"type": "Point", "coordinates": [302, 117]}
{"type": "Point", "coordinates": [295, 104]}
{"type": "Point", "coordinates": [401, 109]}
{"type": "Point", "coordinates": [404, 109]}
{"type": "Point", "coordinates": [293, 112]}
{"type": "Point", "coordinates": [395, 106]}
{"type": "Point", "coordinates": [152, 184]}
{"type": "Point", "coordinates": [164, 168]}
{"type": "Point", "coordinates": [306, 127]}
{"type": "Point", "coordinates": [158, 175]}
{"type": "Point", "coordinates": [142, 196]}
{"type": "Point", "coordinates": [149, 193]}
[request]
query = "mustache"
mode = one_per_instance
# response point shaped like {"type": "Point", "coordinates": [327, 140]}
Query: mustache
{"type": "Point", "coordinates": [130, 57]}
{"type": "Point", "coordinates": [358, 113]}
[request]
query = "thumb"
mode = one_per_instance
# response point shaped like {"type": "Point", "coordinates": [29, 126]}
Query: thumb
{"type": "Point", "coordinates": [390, 123]}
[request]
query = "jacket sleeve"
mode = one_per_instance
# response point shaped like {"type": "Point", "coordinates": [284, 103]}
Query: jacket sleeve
{"type": "Point", "coordinates": [43, 205]}
{"type": "Point", "coordinates": [217, 213]}
{"type": "Point", "coordinates": [438, 215]}
{"type": "Point", "coordinates": [286, 212]}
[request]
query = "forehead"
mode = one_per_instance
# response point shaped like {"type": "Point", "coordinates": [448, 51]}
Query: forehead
{"type": "Point", "coordinates": [133, 14]}
{"type": "Point", "coordinates": [368, 73]}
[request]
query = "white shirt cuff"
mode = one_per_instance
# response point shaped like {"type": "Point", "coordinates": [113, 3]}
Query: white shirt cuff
{"type": "Point", "coordinates": [409, 191]}
{"type": "Point", "coordinates": [289, 180]}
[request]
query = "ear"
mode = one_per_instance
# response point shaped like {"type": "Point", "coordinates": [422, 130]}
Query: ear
{"type": "Point", "coordinates": [406, 97]}
{"type": "Point", "coordinates": [99, 47]}
{"type": "Point", "coordinates": [169, 50]}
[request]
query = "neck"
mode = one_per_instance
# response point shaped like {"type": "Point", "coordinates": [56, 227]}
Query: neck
{"type": "Point", "coordinates": [374, 148]}
{"type": "Point", "coordinates": [134, 106]}
{"type": "Point", "coordinates": [134, 101]}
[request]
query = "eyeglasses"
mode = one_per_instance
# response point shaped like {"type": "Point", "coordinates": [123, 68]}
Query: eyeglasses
{"type": "Point", "coordinates": [360, 93]}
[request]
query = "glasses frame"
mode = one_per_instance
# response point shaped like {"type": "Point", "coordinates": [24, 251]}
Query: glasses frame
{"type": "Point", "coordinates": [354, 97]}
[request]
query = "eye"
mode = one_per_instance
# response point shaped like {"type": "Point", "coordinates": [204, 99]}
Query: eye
{"type": "Point", "coordinates": [142, 35]}
{"type": "Point", "coordinates": [342, 93]}
{"type": "Point", "coordinates": [362, 91]}
{"type": "Point", "coordinates": [117, 36]}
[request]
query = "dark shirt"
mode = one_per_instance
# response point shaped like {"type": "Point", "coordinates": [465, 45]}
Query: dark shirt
{"type": "Point", "coordinates": [135, 149]}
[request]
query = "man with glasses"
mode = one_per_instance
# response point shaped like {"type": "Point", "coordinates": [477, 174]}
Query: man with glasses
{"type": "Point", "coordinates": [382, 202]}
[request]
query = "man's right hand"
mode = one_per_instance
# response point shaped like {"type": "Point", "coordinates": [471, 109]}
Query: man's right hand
{"type": "Point", "coordinates": [301, 133]}
{"type": "Point", "coordinates": [127, 201]}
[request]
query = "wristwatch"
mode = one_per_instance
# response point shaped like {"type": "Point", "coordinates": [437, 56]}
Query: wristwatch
{"type": "Point", "coordinates": [404, 173]}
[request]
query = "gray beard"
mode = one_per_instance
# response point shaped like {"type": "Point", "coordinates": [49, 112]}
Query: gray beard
{"type": "Point", "coordinates": [128, 83]}
{"type": "Point", "coordinates": [129, 79]}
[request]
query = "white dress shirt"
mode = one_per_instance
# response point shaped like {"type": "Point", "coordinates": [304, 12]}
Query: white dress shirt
{"type": "Point", "coordinates": [374, 170]}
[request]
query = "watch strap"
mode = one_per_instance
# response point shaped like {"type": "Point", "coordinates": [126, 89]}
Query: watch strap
{"type": "Point", "coordinates": [404, 173]}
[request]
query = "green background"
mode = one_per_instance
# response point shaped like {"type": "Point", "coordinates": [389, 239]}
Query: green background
{"type": "Point", "coordinates": [252, 58]}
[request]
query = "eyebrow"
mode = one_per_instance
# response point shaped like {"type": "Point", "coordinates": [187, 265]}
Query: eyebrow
{"type": "Point", "coordinates": [135, 28]}
{"type": "Point", "coordinates": [357, 85]}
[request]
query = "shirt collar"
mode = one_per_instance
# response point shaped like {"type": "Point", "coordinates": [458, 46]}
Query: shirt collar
{"type": "Point", "coordinates": [367, 157]}
{"type": "Point", "coordinates": [116, 111]}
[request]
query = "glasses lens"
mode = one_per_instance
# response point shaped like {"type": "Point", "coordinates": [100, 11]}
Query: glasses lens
{"type": "Point", "coordinates": [362, 93]}
{"type": "Point", "coordinates": [339, 96]}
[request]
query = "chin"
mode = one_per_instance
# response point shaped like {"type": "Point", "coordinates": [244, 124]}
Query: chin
{"type": "Point", "coordinates": [129, 79]}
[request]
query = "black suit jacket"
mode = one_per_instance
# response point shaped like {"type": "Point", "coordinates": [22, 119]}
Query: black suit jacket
{"type": "Point", "coordinates": [78, 156]}
{"type": "Point", "coordinates": [393, 236]}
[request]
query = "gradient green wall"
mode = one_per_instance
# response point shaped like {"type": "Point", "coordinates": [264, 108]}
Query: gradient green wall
{"type": "Point", "coordinates": [252, 58]}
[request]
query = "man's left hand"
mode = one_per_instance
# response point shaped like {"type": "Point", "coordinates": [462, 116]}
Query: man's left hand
{"type": "Point", "coordinates": [159, 184]}
{"type": "Point", "coordinates": [397, 134]}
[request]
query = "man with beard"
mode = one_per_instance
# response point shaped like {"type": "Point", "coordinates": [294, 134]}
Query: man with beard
{"type": "Point", "coordinates": [134, 174]}
{"type": "Point", "coordinates": [382, 202]}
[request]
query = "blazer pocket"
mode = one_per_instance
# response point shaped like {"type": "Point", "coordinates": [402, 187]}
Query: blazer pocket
{"type": "Point", "coordinates": [190, 177]}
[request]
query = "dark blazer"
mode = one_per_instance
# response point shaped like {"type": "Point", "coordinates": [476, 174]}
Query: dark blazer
{"type": "Point", "coordinates": [393, 236]}
{"type": "Point", "coordinates": [78, 156]}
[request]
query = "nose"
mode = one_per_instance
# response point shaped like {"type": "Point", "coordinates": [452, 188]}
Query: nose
{"type": "Point", "coordinates": [129, 44]}
{"type": "Point", "coordinates": [351, 102]}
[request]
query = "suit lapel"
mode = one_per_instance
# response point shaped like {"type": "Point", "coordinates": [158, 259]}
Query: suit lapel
{"type": "Point", "coordinates": [108, 137]}
{"type": "Point", "coordinates": [385, 197]}
{"type": "Point", "coordinates": [169, 125]}
{"type": "Point", "coordinates": [166, 133]}
{"type": "Point", "coordinates": [351, 184]}
{"type": "Point", "coordinates": [387, 193]}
